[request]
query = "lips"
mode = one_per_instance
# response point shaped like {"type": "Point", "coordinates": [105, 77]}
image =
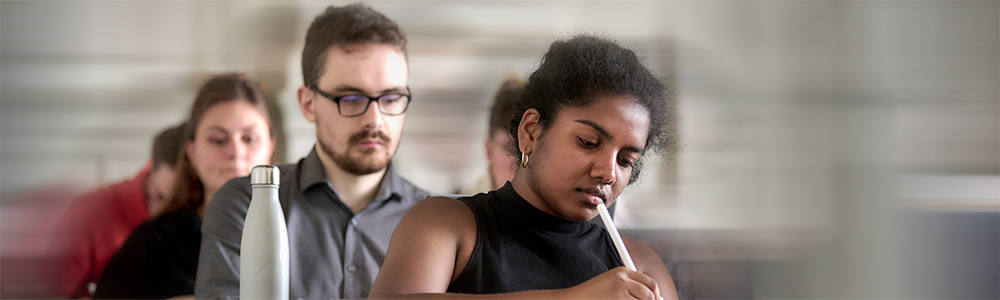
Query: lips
{"type": "Point", "coordinates": [369, 139]}
{"type": "Point", "coordinates": [234, 171]}
{"type": "Point", "coordinates": [594, 195]}
{"type": "Point", "coordinates": [370, 143]}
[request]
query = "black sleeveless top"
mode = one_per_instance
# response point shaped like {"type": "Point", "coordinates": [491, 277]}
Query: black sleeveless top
{"type": "Point", "coordinates": [520, 248]}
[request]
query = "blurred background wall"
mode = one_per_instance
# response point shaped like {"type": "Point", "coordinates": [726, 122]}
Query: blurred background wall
{"type": "Point", "coordinates": [830, 149]}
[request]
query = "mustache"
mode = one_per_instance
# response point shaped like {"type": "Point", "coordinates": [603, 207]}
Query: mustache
{"type": "Point", "coordinates": [366, 134]}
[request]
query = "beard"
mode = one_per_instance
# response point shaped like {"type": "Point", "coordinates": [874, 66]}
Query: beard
{"type": "Point", "coordinates": [358, 160]}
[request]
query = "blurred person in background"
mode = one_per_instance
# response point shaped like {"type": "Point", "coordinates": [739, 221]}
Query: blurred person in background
{"type": "Point", "coordinates": [97, 224]}
{"type": "Point", "coordinates": [228, 133]}
{"type": "Point", "coordinates": [586, 118]}
{"type": "Point", "coordinates": [343, 200]}
{"type": "Point", "coordinates": [501, 163]}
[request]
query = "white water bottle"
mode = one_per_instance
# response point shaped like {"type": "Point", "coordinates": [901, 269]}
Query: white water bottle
{"type": "Point", "coordinates": [264, 247]}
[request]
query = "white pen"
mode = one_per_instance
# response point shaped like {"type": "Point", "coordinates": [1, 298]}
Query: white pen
{"type": "Point", "coordinates": [617, 238]}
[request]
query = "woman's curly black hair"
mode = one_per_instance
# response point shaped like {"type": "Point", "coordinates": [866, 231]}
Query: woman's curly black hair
{"type": "Point", "coordinates": [576, 71]}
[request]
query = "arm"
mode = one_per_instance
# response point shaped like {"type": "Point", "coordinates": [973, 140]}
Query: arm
{"type": "Point", "coordinates": [84, 242]}
{"type": "Point", "coordinates": [649, 263]}
{"type": "Point", "coordinates": [428, 249]}
{"type": "Point", "coordinates": [221, 233]}
{"type": "Point", "coordinates": [433, 243]}
{"type": "Point", "coordinates": [156, 262]}
{"type": "Point", "coordinates": [125, 274]}
{"type": "Point", "coordinates": [71, 250]}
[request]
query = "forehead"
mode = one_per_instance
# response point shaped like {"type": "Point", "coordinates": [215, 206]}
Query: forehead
{"type": "Point", "coordinates": [622, 117]}
{"type": "Point", "coordinates": [232, 115]}
{"type": "Point", "coordinates": [162, 177]}
{"type": "Point", "coordinates": [371, 67]}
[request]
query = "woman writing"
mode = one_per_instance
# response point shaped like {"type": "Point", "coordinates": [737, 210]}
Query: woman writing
{"type": "Point", "coordinates": [585, 119]}
{"type": "Point", "coordinates": [228, 132]}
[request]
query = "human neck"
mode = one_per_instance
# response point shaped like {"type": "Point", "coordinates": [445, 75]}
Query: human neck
{"type": "Point", "coordinates": [356, 191]}
{"type": "Point", "coordinates": [206, 198]}
{"type": "Point", "coordinates": [525, 189]}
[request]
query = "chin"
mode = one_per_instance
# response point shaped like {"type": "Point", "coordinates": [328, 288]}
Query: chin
{"type": "Point", "coordinates": [371, 160]}
{"type": "Point", "coordinates": [365, 165]}
{"type": "Point", "coordinates": [579, 216]}
{"type": "Point", "coordinates": [372, 156]}
{"type": "Point", "coordinates": [587, 215]}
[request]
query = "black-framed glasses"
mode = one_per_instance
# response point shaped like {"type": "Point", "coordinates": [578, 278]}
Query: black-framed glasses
{"type": "Point", "coordinates": [393, 104]}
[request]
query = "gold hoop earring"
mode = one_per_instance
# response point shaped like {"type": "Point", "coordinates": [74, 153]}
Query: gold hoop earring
{"type": "Point", "coordinates": [524, 160]}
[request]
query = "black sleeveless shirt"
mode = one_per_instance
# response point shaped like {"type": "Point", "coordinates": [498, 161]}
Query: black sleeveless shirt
{"type": "Point", "coordinates": [520, 248]}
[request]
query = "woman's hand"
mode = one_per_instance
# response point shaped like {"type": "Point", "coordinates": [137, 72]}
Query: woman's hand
{"type": "Point", "coordinates": [617, 283]}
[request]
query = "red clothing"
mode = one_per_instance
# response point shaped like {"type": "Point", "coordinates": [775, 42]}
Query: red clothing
{"type": "Point", "coordinates": [93, 229]}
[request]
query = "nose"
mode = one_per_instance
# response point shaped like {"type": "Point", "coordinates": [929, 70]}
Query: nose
{"type": "Point", "coordinates": [373, 117]}
{"type": "Point", "coordinates": [237, 149]}
{"type": "Point", "coordinates": [604, 170]}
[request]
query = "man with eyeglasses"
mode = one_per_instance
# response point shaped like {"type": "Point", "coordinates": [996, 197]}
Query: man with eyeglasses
{"type": "Point", "coordinates": [342, 201]}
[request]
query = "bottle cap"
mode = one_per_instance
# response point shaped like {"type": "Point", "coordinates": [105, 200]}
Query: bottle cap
{"type": "Point", "coordinates": [264, 174]}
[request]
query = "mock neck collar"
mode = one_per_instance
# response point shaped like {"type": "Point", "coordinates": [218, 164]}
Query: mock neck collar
{"type": "Point", "coordinates": [528, 216]}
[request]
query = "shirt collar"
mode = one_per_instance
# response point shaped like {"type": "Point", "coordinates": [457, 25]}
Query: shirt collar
{"type": "Point", "coordinates": [312, 171]}
{"type": "Point", "coordinates": [313, 174]}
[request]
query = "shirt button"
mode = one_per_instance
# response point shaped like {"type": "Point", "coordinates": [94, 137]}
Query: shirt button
{"type": "Point", "coordinates": [354, 222]}
{"type": "Point", "coordinates": [351, 268]}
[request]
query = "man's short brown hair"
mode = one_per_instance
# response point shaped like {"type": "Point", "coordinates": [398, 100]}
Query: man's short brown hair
{"type": "Point", "coordinates": [344, 27]}
{"type": "Point", "coordinates": [503, 106]}
{"type": "Point", "coordinates": [167, 146]}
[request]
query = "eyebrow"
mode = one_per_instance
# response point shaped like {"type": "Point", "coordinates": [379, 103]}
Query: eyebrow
{"type": "Point", "coordinates": [351, 89]}
{"type": "Point", "coordinates": [217, 128]}
{"type": "Point", "coordinates": [604, 132]}
{"type": "Point", "coordinates": [220, 128]}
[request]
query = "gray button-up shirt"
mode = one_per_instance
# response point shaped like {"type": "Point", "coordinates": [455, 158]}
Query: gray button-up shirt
{"type": "Point", "coordinates": [334, 253]}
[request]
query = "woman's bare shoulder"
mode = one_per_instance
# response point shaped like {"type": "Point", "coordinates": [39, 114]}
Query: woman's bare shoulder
{"type": "Point", "coordinates": [649, 262]}
{"type": "Point", "coordinates": [639, 248]}
{"type": "Point", "coordinates": [439, 210]}
{"type": "Point", "coordinates": [441, 204]}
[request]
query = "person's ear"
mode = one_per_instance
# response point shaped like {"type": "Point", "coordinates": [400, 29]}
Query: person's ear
{"type": "Point", "coordinates": [489, 147]}
{"type": "Point", "coordinates": [274, 144]}
{"type": "Point", "coordinates": [189, 151]}
{"type": "Point", "coordinates": [307, 102]}
{"type": "Point", "coordinates": [528, 131]}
